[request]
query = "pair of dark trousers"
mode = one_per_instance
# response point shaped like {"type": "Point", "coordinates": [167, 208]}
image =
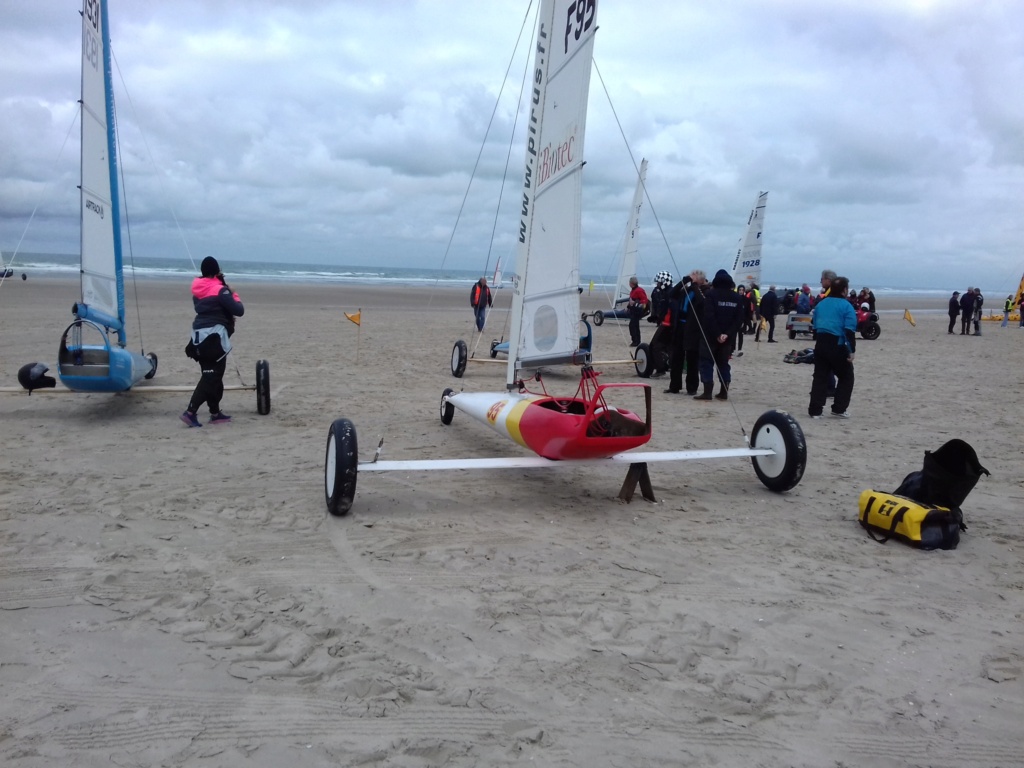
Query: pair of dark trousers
{"type": "Point", "coordinates": [634, 327]}
{"type": "Point", "coordinates": [213, 361]}
{"type": "Point", "coordinates": [831, 357]}
{"type": "Point", "coordinates": [716, 356]}
{"type": "Point", "coordinates": [952, 322]}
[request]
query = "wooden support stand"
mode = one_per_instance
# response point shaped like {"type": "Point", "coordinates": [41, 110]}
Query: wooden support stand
{"type": "Point", "coordinates": [637, 474]}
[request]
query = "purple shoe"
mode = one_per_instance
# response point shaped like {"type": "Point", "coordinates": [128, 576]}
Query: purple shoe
{"type": "Point", "coordinates": [190, 419]}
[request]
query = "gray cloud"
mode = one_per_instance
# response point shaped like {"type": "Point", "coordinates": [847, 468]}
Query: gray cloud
{"type": "Point", "coordinates": [888, 133]}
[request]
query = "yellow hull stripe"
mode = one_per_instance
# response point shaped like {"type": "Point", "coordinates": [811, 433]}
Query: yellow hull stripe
{"type": "Point", "coordinates": [512, 420]}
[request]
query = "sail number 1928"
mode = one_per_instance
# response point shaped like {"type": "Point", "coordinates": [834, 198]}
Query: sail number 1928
{"type": "Point", "coordinates": [579, 17]}
{"type": "Point", "coordinates": [751, 263]}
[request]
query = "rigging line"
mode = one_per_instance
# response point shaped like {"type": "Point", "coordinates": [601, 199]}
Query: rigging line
{"type": "Point", "coordinates": [508, 155]}
{"type": "Point", "coordinates": [483, 143]}
{"type": "Point", "coordinates": [636, 167]}
{"type": "Point", "coordinates": [149, 152]}
{"type": "Point", "coordinates": [28, 223]}
{"type": "Point", "coordinates": [128, 228]}
{"type": "Point", "coordinates": [654, 213]}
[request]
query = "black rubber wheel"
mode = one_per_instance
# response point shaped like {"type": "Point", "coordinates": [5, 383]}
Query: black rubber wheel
{"type": "Point", "coordinates": [643, 361]}
{"type": "Point", "coordinates": [340, 467]}
{"type": "Point", "coordinates": [494, 349]}
{"type": "Point", "coordinates": [871, 331]}
{"type": "Point", "coordinates": [599, 318]}
{"type": "Point", "coordinates": [262, 387]}
{"type": "Point", "coordinates": [780, 432]}
{"type": "Point", "coordinates": [153, 359]}
{"type": "Point", "coordinates": [460, 354]}
{"type": "Point", "coordinates": [792, 334]}
{"type": "Point", "coordinates": [447, 409]}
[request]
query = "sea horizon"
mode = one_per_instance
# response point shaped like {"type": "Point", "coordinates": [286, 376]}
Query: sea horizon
{"type": "Point", "coordinates": [67, 265]}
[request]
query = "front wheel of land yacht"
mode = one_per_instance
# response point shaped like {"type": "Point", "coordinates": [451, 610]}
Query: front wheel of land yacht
{"type": "Point", "coordinates": [599, 318]}
{"type": "Point", "coordinates": [447, 409]}
{"type": "Point", "coordinates": [460, 354]}
{"type": "Point", "coordinates": [153, 360]}
{"type": "Point", "coordinates": [494, 349]}
{"type": "Point", "coordinates": [642, 361]}
{"type": "Point", "coordinates": [779, 432]}
{"type": "Point", "coordinates": [340, 467]}
{"type": "Point", "coordinates": [262, 387]}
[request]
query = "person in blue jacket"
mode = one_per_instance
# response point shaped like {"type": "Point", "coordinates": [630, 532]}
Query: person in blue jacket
{"type": "Point", "coordinates": [835, 343]}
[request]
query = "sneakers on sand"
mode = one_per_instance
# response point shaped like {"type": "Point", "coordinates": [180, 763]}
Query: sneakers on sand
{"type": "Point", "coordinates": [220, 418]}
{"type": "Point", "coordinates": [843, 415]}
{"type": "Point", "coordinates": [190, 419]}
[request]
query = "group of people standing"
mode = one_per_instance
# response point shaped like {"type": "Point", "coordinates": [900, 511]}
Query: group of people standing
{"type": "Point", "coordinates": [968, 307]}
{"type": "Point", "coordinates": [700, 324]}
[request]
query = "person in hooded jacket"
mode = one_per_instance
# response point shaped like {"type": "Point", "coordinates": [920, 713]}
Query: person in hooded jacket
{"type": "Point", "coordinates": [216, 307]}
{"type": "Point", "coordinates": [723, 315]}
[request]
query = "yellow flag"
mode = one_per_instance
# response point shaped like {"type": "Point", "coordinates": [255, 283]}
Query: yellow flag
{"type": "Point", "coordinates": [909, 317]}
{"type": "Point", "coordinates": [591, 290]}
{"type": "Point", "coordinates": [354, 318]}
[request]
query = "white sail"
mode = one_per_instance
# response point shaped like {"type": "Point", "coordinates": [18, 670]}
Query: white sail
{"type": "Point", "coordinates": [546, 305]}
{"type": "Point", "coordinates": [747, 267]}
{"type": "Point", "coordinates": [628, 267]}
{"type": "Point", "coordinates": [102, 289]}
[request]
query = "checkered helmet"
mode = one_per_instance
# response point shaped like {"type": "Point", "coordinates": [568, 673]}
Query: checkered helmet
{"type": "Point", "coordinates": [664, 279]}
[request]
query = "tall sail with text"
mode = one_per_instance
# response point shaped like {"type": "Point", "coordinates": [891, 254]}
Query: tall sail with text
{"type": "Point", "coordinates": [102, 287]}
{"type": "Point", "coordinates": [546, 306]}
{"type": "Point", "coordinates": [747, 267]}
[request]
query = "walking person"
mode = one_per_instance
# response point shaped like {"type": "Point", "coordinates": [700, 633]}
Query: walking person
{"type": "Point", "coordinates": [835, 342]}
{"type": "Point", "coordinates": [723, 316]}
{"type": "Point", "coordinates": [216, 307]}
{"type": "Point", "coordinates": [954, 309]}
{"type": "Point", "coordinates": [768, 308]}
{"type": "Point", "coordinates": [637, 307]}
{"type": "Point", "coordinates": [480, 299]}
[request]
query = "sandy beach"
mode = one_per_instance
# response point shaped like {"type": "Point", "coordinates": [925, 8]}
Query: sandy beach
{"type": "Point", "coordinates": [180, 597]}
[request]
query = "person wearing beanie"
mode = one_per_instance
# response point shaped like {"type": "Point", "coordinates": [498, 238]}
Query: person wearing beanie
{"type": "Point", "coordinates": [723, 316]}
{"type": "Point", "coordinates": [954, 310]}
{"type": "Point", "coordinates": [216, 307]}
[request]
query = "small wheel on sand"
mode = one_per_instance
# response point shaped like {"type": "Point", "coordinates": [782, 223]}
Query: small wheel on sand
{"type": "Point", "coordinates": [643, 361]}
{"type": "Point", "coordinates": [340, 467]}
{"type": "Point", "coordinates": [599, 318]}
{"type": "Point", "coordinates": [779, 432]}
{"type": "Point", "coordinates": [447, 409]}
{"type": "Point", "coordinates": [152, 359]}
{"type": "Point", "coordinates": [460, 354]}
{"type": "Point", "coordinates": [262, 387]}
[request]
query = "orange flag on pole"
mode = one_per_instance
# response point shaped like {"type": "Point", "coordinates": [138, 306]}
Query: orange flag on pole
{"type": "Point", "coordinates": [909, 317]}
{"type": "Point", "coordinates": [354, 318]}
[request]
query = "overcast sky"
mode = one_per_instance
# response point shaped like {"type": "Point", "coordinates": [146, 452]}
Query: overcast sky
{"type": "Point", "coordinates": [889, 133]}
